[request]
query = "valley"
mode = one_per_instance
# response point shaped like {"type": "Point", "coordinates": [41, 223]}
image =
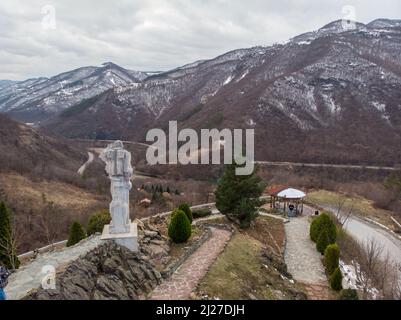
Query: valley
{"type": "Point", "coordinates": [325, 107]}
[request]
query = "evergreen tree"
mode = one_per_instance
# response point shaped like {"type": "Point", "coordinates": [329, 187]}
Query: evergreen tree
{"type": "Point", "coordinates": [324, 221]}
{"type": "Point", "coordinates": [97, 222]}
{"type": "Point", "coordinates": [177, 192]}
{"type": "Point", "coordinates": [179, 229]}
{"type": "Point", "coordinates": [349, 294]}
{"type": "Point", "coordinates": [8, 252]}
{"type": "Point", "coordinates": [331, 257]}
{"type": "Point", "coordinates": [323, 241]}
{"type": "Point", "coordinates": [393, 183]}
{"type": "Point", "coordinates": [336, 280]}
{"type": "Point", "coordinates": [168, 189]}
{"type": "Point", "coordinates": [237, 196]}
{"type": "Point", "coordinates": [187, 210]}
{"type": "Point", "coordinates": [77, 234]}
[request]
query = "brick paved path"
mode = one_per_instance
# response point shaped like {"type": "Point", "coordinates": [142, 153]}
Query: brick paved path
{"type": "Point", "coordinates": [318, 292]}
{"type": "Point", "coordinates": [187, 277]}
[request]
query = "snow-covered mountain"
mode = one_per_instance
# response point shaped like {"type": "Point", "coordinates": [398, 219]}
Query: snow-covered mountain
{"type": "Point", "coordinates": [6, 83]}
{"type": "Point", "coordinates": [336, 90]}
{"type": "Point", "coordinates": [39, 98]}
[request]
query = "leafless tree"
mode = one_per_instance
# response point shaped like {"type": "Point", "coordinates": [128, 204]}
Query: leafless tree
{"type": "Point", "coordinates": [49, 221]}
{"type": "Point", "coordinates": [9, 244]}
{"type": "Point", "coordinates": [343, 211]}
{"type": "Point", "coordinates": [377, 275]}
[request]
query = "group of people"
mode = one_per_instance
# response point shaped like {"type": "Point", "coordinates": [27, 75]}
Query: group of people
{"type": "Point", "coordinates": [4, 274]}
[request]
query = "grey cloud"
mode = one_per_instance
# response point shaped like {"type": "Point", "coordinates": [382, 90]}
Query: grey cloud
{"type": "Point", "coordinates": [156, 34]}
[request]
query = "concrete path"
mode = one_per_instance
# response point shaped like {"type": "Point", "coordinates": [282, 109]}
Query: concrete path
{"type": "Point", "coordinates": [30, 276]}
{"type": "Point", "coordinates": [302, 258]}
{"type": "Point", "coordinates": [186, 278]}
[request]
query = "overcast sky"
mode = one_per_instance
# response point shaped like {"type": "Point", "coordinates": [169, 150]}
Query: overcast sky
{"type": "Point", "coordinates": [44, 38]}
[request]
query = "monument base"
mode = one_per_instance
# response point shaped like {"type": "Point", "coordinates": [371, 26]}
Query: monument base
{"type": "Point", "coordinates": [128, 240]}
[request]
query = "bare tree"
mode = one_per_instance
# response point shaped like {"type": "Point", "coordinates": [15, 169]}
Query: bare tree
{"type": "Point", "coordinates": [343, 211]}
{"type": "Point", "coordinates": [377, 275]}
{"type": "Point", "coordinates": [49, 221]}
{"type": "Point", "coordinates": [9, 244]}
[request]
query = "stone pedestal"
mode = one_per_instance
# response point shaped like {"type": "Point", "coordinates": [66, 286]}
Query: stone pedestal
{"type": "Point", "coordinates": [126, 239]}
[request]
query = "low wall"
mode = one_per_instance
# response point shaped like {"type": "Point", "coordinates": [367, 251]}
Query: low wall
{"type": "Point", "coordinates": [61, 244]}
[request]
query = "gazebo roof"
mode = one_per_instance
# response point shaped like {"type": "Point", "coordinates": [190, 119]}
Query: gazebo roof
{"type": "Point", "coordinates": [291, 193]}
{"type": "Point", "coordinates": [274, 190]}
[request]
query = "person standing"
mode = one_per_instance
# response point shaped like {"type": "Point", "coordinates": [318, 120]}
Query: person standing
{"type": "Point", "coordinates": [4, 274]}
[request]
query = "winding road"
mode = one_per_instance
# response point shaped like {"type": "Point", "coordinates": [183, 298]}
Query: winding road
{"type": "Point", "coordinates": [364, 231]}
{"type": "Point", "coordinates": [82, 169]}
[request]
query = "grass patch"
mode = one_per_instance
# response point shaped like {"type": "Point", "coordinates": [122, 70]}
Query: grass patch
{"type": "Point", "coordinates": [238, 271]}
{"type": "Point", "coordinates": [362, 206]}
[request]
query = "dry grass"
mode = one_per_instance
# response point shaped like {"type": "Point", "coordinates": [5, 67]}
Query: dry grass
{"type": "Point", "coordinates": [270, 232]}
{"type": "Point", "coordinates": [362, 206]}
{"type": "Point", "coordinates": [63, 194]}
{"type": "Point", "coordinates": [238, 271]}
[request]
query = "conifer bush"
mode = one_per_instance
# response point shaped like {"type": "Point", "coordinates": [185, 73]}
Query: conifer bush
{"type": "Point", "coordinates": [349, 294]}
{"type": "Point", "coordinates": [323, 241]}
{"type": "Point", "coordinates": [331, 257]}
{"type": "Point", "coordinates": [336, 280]}
{"type": "Point", "coordinates": [324, 221]}
{"type": "Point", "coordinates": [179, 229]}
{"type": "Point", "coordinates": [187, 210]}
{"type": "Point", "coordinates": [97, 222]}
{"type": "Point", "coordinates": [77, 234]}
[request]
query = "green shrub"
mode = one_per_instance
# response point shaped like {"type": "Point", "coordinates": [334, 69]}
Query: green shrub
{"type": "Point", "coordinates": [201, 213]}
{"type": "Point", "coordinates": [324, 221]}
{"type": "Point", "coordinates": [349, 294]}
{"type": "Point", "coordinates": [77, 234]}
{"type": "Point", "coordinates": [336, 280]}
{"type": "Point", "coordinates": [187, 210]}
{"type": "Point", "coordinates": [331, 257]}
{"type": "Point", "coordinates": [314, 229]}
{"type": "Point", "coordinates": [97, 222]}
{"type": "Point", "coordinates": [323, 241]}
{"type": "Point", "coordinates": [179, 229]}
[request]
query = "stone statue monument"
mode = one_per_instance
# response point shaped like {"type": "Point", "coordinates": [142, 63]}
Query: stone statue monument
{"type": "Point", "coordinates": [118, 167]}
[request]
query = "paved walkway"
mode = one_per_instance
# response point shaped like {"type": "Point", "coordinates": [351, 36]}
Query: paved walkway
{"type": "Point", "coordinates": [30, 276]}
{"type": "Point", "coordinates": [302, 258]}
{"type": "Point", "coordinates": [186, 278]}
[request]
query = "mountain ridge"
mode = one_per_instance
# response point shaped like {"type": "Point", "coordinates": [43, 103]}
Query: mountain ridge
{"type": "Point", "coordinates": [336, 90]}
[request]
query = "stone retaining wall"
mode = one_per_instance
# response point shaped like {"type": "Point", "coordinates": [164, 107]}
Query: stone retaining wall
{"type": "Point", "coordinates": [109, 272]}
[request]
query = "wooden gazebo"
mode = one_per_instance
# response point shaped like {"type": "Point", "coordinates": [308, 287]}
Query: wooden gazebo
{"type": "Point", "coordinates": [273, 192]}
{"type": "Point", "coordinates": [292, 195]}
{"type": "Point", "coordinates": [288, 196]}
